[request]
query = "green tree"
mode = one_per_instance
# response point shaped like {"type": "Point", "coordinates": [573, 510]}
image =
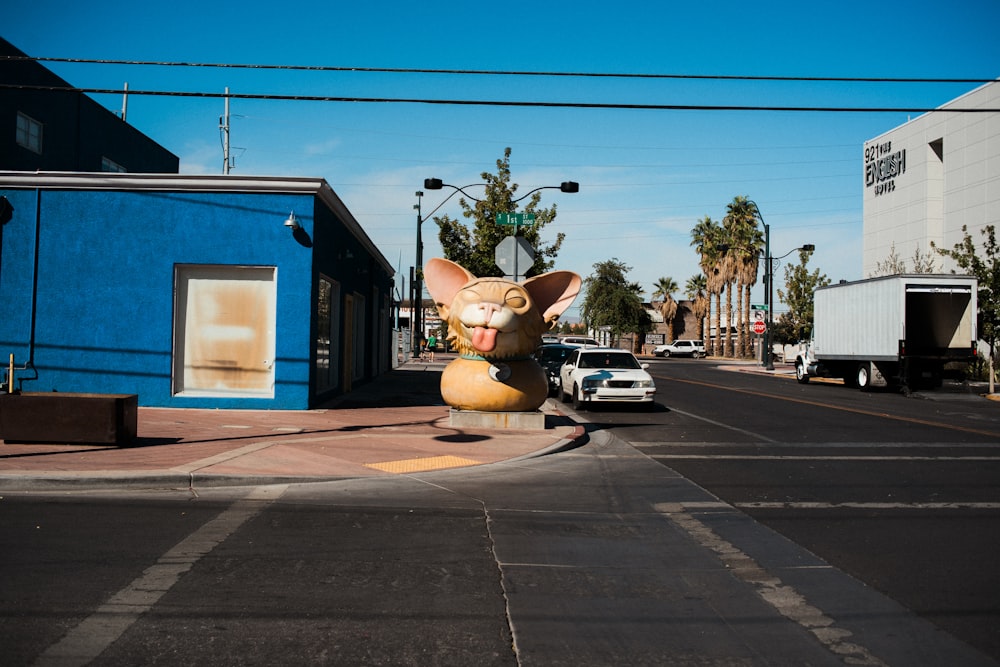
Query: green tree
{"type": "Point", "coordinates": [746, 242]}
{"type": "Point", "coordinates": [614, 303]}
{"type": "Point", "coordinates": [800, 285]}
{"type": "Point", "coordinates": [707, 237]}
{"type": "Point", "coordinates": [475, 249]}
{"type": "Point", "coordinates": [663, 290]}
{"type": "Point", "coordinates": [986, 269]}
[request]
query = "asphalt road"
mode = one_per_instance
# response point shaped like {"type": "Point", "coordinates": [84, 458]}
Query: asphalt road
{"type": "Point", "coordinates": [901, 492]}
{"type": "Point", "coordinates": [600, 555]}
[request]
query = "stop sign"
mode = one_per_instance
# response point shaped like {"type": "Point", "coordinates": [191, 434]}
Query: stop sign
{"type": "Point", "coordinates": [759, 327]}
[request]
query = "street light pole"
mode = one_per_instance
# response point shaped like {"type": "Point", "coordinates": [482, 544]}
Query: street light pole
{"type": "Point", "coordinates": [766, 361]}
{"type": "Point", "coordinates": [417, 306]}
{"type": "Point", "coordinates": [438, 184]}
{"type": "Point", "coordinates": [768, 293]}
{"type": "Point", "coordinates": [570, 187]}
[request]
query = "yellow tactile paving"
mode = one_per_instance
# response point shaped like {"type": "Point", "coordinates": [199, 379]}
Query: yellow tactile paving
{"type": "Point", "coordinates": [422, 465]}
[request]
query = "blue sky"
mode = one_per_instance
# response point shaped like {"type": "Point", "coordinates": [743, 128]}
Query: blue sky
{"type": "Point", "coordinates": [646, 177]}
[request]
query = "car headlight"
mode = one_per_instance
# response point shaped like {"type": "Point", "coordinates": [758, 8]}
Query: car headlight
{"type": "Point", "coordinates": [643, 384]}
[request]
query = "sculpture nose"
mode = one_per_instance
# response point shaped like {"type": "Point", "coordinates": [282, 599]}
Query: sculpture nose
{"type": "Point", "coordinates": [488, 310]}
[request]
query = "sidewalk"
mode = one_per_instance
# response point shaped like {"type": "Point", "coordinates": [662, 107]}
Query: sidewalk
{"type": "Point", "coordinates": [393, 425]}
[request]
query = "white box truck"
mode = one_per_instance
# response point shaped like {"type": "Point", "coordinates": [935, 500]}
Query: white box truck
{"type": "Point", "coordinates": [897, 330]}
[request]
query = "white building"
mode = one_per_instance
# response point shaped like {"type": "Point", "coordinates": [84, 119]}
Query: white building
{"type": "Point", "coordinates": [927, 178]}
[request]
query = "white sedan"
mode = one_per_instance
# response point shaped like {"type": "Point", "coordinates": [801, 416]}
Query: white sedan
{"type": "Point", "coordinates": [597, 375]}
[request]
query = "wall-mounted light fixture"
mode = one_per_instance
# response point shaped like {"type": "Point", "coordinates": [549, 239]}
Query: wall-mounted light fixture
{"type": "Point", "coordinates": [292, 222]}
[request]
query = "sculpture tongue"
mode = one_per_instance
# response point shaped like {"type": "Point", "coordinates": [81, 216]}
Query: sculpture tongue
{"type": "Point", "coordinates": [483, 339]}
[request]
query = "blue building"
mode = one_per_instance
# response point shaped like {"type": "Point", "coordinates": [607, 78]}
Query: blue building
{"type": "Point", "coordinates": [190, 291]}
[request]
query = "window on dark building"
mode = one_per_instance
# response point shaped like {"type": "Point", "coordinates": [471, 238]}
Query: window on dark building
{"type": "Point", "coordinates": [29, 133]}
{"type": "Point", "coordinates": [107, 164]}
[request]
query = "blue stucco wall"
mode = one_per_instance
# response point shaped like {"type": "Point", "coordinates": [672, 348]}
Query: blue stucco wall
{"type": "Point", "coordinates": [105, 279]}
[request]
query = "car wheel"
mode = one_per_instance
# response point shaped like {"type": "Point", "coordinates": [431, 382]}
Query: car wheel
{"type": "Point", "coordinates": [563, 396]}
{"type": "Point", "coordinates": [666, 353]}
{"type": "Point", "coordinates": [864, 377]}
{"type": "Point", "coordinates": [578, 402]}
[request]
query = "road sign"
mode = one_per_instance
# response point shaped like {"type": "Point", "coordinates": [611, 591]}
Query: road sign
{"type": "Point", "coordinates": [516, 219]}
{"type": "Point", "coordinates": [514, 256]}
{"type": "Point", "coordinates": [759, 326]}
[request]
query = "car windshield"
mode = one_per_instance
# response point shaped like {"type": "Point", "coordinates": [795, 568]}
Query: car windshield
{"type": "Point", "coordinates": [553, 353]}
{"type": "Point", "coordinates": [608, 360]}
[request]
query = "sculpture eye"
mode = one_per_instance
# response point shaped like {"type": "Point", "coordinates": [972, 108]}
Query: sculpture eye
{"type": "Point", "coordinates": [515, 299]}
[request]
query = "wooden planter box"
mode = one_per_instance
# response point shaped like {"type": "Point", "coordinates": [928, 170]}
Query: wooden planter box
{"type": "Point", "coordinates": [69, 418]}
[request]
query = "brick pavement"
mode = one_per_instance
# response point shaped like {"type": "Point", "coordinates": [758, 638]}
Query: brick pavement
{"type": "Point", "coordinates": [393, 425]}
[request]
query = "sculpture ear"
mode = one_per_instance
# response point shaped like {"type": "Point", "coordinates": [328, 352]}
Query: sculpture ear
{"type": "Point", "coordinates": [553, 292]}
{"type": "Point", "coordinates": [444, 279]}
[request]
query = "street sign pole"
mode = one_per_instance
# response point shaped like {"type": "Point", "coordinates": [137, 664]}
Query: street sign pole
{"type": "Point", "coordinates": [760, 323]}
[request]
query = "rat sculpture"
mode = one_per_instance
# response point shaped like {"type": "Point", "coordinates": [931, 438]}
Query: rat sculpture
{"type": "Point", "coordinates": [495, 324]}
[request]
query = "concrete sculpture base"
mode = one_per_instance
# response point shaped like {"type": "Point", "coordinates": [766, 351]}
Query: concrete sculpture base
{"type": "Point", "coordinates": [525, 421]}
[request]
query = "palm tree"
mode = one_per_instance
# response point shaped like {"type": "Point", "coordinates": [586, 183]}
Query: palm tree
{"type": "Point", "coordinates": [695, 290]}
{"type": "Point", "coordinates": [707, 238]}
{"type": "Point", "coordinates": [664, 289]}
{"type": "Point", "coordinates": [728, 276]}
{"type": "Point", "coordinates": [745, 240]}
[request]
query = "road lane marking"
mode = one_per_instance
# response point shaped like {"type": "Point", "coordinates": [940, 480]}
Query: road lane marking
{"type": "Point", "coordinates": [723, 425]}
{"type": "Point", "coordinates": [781, 597]}
{"type": "Point", "coordinates": [97, 632]}
{"type": "Point", "coordinates": [817, 404]}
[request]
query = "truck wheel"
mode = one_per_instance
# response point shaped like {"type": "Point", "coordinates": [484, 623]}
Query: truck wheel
{"type": "Point", "coordinates": [800, 374]}
{"type": "Point", "coordinates": [864, 377]}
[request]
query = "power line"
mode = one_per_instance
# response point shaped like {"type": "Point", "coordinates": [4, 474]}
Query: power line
{"type": "Point", "coordinates": [498, 103]}
{"type": "Point", "coordinates": [479, 72]}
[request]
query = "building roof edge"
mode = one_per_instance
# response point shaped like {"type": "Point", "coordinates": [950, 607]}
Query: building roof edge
{"type": "Point", "coordinates": [60, 180]}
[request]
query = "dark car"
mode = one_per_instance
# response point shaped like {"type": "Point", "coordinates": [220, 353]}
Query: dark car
{"type": "Point", "coordinates": [550, 358]}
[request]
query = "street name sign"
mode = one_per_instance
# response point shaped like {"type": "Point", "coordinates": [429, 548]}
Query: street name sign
{"type": "Point", "coordinates": [516, 219]}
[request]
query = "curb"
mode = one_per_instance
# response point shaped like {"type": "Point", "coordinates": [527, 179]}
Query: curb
{"type": "Point", "coordinates": [178, 481]}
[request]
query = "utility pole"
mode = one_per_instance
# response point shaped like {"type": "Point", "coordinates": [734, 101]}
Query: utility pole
{"type": "Point", "coordinates": [224, 126]}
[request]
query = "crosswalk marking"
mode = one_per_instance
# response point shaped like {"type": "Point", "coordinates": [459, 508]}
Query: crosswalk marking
{"type": "Point", "coordinates": [816, 505]}
{"type": "Point", "coordinates": [835, 457]}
